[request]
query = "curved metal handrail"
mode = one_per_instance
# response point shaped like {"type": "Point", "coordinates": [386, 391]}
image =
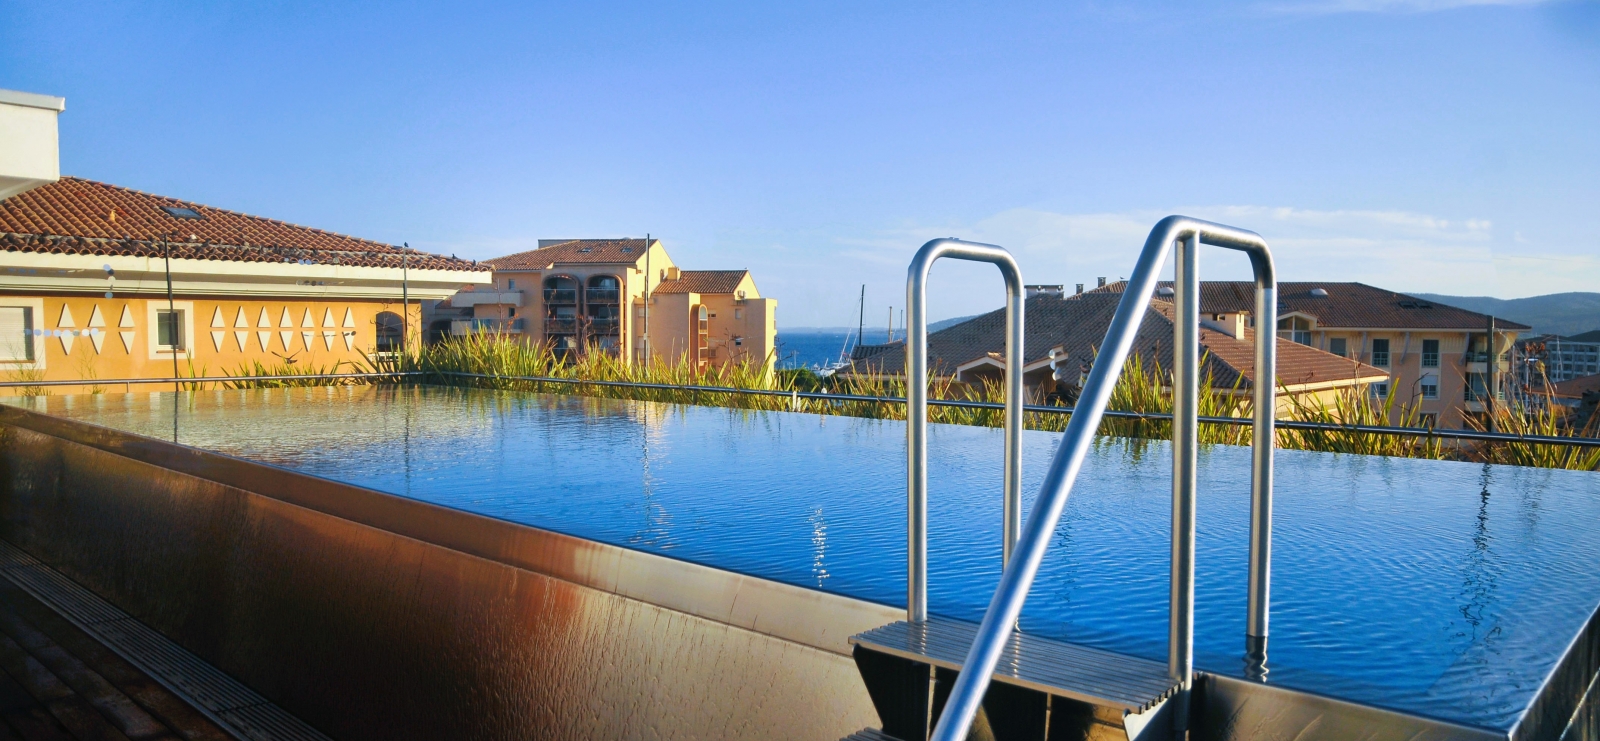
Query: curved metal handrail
{"type": "Point", "coordinates": [917, 407]}
{"type": "Point", "coordinates": [999, 620]}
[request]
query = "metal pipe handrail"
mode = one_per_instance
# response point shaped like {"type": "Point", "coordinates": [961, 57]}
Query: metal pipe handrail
{"type": "Point", "coordinates": [1005, 607]}
{"type": "Point", "coordinates": [917, 408]}
{"type": "Point", "coordinates": [1282, 424]}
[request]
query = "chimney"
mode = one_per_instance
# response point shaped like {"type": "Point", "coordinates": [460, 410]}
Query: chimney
{"type": "Point", "coordinates": [1102, 281]}
{"type": "Point", "coordinates": [1080, 288]}
{"type": "Point", "coordinates": [30, 154]}
{"type": "Point", "coordinates": [1238, 325]}
{"type": "Point", "coordinates": [673, 274]}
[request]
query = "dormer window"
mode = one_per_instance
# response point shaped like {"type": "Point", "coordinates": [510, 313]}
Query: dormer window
{"type": "Point", "coordinates": [1295, 328]}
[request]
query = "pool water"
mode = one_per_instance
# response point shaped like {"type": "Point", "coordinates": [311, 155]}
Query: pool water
{"type": "Point", "coordinates": [1439, 588]}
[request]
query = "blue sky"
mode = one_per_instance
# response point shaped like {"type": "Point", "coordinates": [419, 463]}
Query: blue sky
{"type": "Point", "coordinates": [1422, 145]}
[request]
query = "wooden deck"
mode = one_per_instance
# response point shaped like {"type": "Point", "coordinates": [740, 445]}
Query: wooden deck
{"type": "Point", "coordinates": [57, 683]}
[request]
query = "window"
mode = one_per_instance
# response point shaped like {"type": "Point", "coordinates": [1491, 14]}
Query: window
{"type": "Point", "coordinates": [1429, 386]}
{"type": "Point", "coordinates": [1430, 353]}
{"type": "Point", "coordinates": [1295, 328]}
{"type": "Point", "coordinates": [511, 285]}
{"type": "Point", "coordinates": [182, 212]}
{"type": "Point", "coordinates": [1380, 390]}
{"type": "Point", "coordinates": [16, 334]}
{"type": "Point", "coordinates": [511, 312]}
{"type": "Point", "coordinates": [390, 331]}
{"type": "Point", "coordinates": [1336, 346]}
{"type": "Point", "coordinates": [170, 330]}
{"type": "Point", "coordinates": [1428, 420]}
{"type": "Point", "coordinates": [1380, 353]}
{"type": "Point", "coordinates": [738, 313]}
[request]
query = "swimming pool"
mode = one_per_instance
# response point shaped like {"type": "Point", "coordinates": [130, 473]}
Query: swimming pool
{"type": "Point", "coordinates": [1444, 589]}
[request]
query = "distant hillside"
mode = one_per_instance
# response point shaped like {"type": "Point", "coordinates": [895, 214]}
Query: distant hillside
{"type": "Point", "coordinates": [1556, 313]}
{"type": "Point", "coordinates": [874, 334]}
{"type": "Point", "coordinates": [942, 323]}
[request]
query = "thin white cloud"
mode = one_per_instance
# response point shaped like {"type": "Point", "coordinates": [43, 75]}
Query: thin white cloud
{"type": "Point", "coordinates": [1399, 250]}
{"type": "Point", "coordinates": [1323, 7]}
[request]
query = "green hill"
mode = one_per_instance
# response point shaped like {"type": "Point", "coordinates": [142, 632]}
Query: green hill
{"type": "Point", "coordinates": [1557, 313]}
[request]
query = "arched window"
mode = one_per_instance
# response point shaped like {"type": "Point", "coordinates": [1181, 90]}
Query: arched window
{"type": "Point", "coordinates": [391, 329]}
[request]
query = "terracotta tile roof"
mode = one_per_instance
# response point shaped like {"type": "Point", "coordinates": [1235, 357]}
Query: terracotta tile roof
{"type": "Point", "coordinates": [1353, 305]}
{"type": "Point", "coordinates": [703, 281]}
{"type": "Point", "coordinates": [84, 217]}
{"type": "Point", "coordinates": [577, 251]}
{"type": "Point", "coordinates": [1078, 325]}
{"type": "Point", "coordinates": [1576, 387]}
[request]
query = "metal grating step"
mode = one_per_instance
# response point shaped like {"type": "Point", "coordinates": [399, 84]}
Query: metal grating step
{"type": "Point", "coordinates": [223, 699]}
{"type": "Point", "coordinates": [869, 734]}
{"type": "Point", "coordinates": [1089, 675]}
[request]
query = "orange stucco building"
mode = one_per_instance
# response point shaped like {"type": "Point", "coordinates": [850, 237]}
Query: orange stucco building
{"type": "Point", "coordinates": [620, 296]}
{"type": "Point", "coordinates": [85, 269]}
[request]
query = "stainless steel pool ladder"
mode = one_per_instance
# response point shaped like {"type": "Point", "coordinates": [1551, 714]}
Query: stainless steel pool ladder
{"type": "Point", "coordinates": [994, 633]}
{"type": "Point", "coordinates": [917, 408]}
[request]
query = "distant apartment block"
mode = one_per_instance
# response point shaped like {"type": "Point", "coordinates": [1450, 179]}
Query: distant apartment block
{"type": "Point", "coordinates": [618, 296]}
{"type": "Point", "coordinates": [1560, 358]}
{"type": "Point", "coordinates": [1436, 356]}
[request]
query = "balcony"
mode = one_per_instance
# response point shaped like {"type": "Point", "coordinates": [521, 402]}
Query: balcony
{"type": "Point", "coordinates": [602, 295]}
{"type": "Point", "coordinates": [469, 299]}
{"type": "Point", "coordinates": [561, 296]}
{"type": "Point", "coordinates": [560, 325]}
{"type": "Point", "coordinates": [463, 327]}
{"type": "Point", "coordinates": [604, 324]}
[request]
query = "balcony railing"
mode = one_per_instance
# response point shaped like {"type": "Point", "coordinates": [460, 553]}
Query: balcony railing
{"type": "Point", "coordinates": [604, 324]}
{"type": "Point", "coordinates": [460, 327]}
{"type": "Point", "coordinates": [561, 295]}
{"type": "Point", "coordinates": [602, 295]}
{"type": "Point", "coordinates": [560, 325]}
{"type": "Point", "coordinates": [468, 299]}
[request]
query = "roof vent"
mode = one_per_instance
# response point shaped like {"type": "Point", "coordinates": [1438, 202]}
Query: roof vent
{"type": "Point", "coordinates": [1164, 291]}
{"type": "Point", "coordinates": [586, 249]}
{"type": "Point", "coordinates": [1319, 292]}
{"type": "Point", "coordinates": [627, 250]}
{"type": "Point", "coordinates": [182, 212]}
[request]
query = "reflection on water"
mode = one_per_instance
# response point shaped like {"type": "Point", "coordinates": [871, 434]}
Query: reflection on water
{"type": "Point", "coordinates": [1435, 587]}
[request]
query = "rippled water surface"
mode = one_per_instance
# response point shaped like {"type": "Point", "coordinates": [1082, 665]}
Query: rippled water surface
{"type": "Point", "coordinates": [1447, 589]}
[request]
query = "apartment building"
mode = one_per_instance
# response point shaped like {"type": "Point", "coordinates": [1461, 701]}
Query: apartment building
{"type": "Point", "coordinates": [1436, 356]}
{"type": "Point", "coordinates": [102, 282]}
{"type": "Point", "coordinates": [619, 296]}
{"type": "Point", "coordinates": [1068, 330]}
{"type": "Point", "coordinates": [1559, 358]}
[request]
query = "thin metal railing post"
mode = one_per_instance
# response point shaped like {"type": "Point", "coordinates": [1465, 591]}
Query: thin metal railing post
{"type": "Point", "coordinates": [966, 694]}
{"type": "Point", "coordinates": [1264, 439]}
{"type": "Point", "coordinates": [1185, 458]}
{"type": "Point", "coordinates": [917, 407]}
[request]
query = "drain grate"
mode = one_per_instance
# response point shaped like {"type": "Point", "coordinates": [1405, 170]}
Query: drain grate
{"type": "Point", "coordinates": [223, 699]}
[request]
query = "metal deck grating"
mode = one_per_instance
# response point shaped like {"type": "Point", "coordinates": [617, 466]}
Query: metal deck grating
{"type": "Point", "coordinates": [869, 734]}
{"type": "Point", "coordinates": [1077, 672]}
{"type": "Point", "coordinates": [223, 699]}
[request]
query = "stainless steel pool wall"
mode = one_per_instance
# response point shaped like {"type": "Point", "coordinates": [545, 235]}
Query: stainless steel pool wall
{"type": "Point", "coordinates": [374, 616]}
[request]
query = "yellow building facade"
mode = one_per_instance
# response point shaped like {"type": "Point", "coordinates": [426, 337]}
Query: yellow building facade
{"type": "Point", "coordinates": [85, 271]}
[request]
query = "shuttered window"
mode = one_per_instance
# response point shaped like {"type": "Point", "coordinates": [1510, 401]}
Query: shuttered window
{"type": "Point", "coordinates": [16, 334]}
